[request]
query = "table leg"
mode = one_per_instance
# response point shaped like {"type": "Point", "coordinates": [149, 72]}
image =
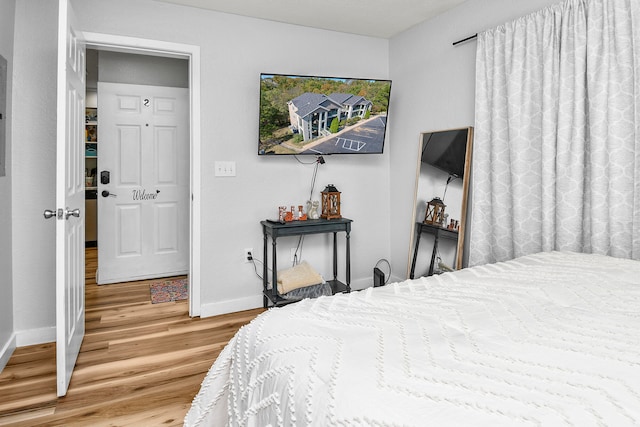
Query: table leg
{"type": "Point", "coordinates": [335, 256]}
{"type": "Point", "coordinates": [433, 254]}
{"type": "Point", "coordinates": [348, 278]}
{"type": "Point", "coordinates": [415, 253]}
{"type": "Point", "coordinates": [265, 270]}
{"type": "Point", "coordinates": [274, 272]}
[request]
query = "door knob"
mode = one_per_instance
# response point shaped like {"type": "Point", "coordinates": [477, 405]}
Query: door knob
{"type": "Point", "coordinates": [68, 213]}
{"type": "Point", "coordinates": [106, 193]}
{"type": "Point", "coordinates": [48, 213]}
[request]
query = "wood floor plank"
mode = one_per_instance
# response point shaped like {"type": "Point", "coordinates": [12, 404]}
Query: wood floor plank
{"type": "Point", "coordinates": [139, 364]}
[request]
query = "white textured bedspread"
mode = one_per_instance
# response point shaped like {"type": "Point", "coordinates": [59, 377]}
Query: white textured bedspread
{"type": "Point", "coordinates": [551, 339]}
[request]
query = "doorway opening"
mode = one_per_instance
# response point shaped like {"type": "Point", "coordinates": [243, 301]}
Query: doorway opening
{"type": "Point", "coordinates": [185, 56]}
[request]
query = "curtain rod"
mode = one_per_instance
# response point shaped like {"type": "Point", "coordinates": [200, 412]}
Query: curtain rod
{"type": "Point", "coordinates": [467, 39]}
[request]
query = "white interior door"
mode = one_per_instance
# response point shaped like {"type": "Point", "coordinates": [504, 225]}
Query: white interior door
{"type": "Point", "coordinates": [69, 196]}
{"type": "Point", "coordinates": [143, 202]}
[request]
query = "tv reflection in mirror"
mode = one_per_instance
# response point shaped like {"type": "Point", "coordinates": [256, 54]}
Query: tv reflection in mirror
{"type": "Point", "coordinates": [322, 115]}
{"type": "Point", "coordinates": [446, 150]}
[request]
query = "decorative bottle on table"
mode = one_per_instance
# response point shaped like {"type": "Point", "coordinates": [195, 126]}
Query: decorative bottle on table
{"type": "Point", "coordinates": [312, 209]}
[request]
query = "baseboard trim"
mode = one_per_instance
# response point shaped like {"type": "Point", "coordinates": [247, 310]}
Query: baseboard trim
{"type": "Point", "coordinates": [255, 301]}
{"type": "Point", "coordinates": [360, 284]}
{"type": "Point", "coordinates": [35, 336]}
{"type": "Point", "coordinates": [7, 350]}
{"type": "Point", "coordinates": [230, 306]}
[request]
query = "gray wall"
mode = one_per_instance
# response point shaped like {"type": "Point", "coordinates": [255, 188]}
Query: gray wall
{"type": "Point", "coordinates": [433, 88]}
{"type": "Point", "coordinates": [34, 169]}
{"type": "Point", "coordinates": [7, 341]}
{"type": "Point", "coordinates": [117, 67]}
{"type": "Point", "coordinates": [436, 82]}
{"type": "Point", "coordinates": [231, 207]}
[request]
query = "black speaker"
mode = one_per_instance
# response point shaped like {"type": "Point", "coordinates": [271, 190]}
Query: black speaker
{"type": "Point", "coordinates": [378, 277]}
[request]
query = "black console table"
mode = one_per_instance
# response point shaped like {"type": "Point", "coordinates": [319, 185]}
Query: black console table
{"type": "Point", "coordinates": [277, 229]}
{"type": "Point", "coordinates": [437, 232]}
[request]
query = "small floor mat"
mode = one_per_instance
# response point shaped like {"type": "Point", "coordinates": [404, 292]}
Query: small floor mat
{"type": "Point", "coordinates": [169, 290]}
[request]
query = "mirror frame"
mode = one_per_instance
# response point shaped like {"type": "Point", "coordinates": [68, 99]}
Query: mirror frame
{"type": "Point", "coordinates": [465, 196]}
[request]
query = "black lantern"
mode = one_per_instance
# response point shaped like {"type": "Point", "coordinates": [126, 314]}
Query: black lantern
{"type": "Point", "coordinates": [435, 212]}
{"type": "Point", "coordinates": [330, 202]}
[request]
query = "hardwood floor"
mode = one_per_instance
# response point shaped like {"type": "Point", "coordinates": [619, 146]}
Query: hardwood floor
{"type": "Point", "coordinates": [140, 364]}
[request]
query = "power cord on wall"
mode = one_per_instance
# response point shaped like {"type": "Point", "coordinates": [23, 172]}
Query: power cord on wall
{"type": "Point", "coordinates": [253, 260]}
{"type": "Point", "coordinates": [298, 252]}
{"type": "Point", "coordinates": [297, 255]}
{"type": "Point", "coordinates": [451, 178]}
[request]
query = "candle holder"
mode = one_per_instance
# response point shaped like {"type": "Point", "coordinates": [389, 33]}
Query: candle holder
{"type": "Point", "coordinates": [435, 212]}
{"type": "Point", "coordinates": [330, 202]}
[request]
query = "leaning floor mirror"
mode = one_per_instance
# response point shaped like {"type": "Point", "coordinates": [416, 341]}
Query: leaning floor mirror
{"type": "Point", "coordinates": [440, 202]}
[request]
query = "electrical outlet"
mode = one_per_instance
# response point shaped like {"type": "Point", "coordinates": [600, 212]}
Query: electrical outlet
{"type": "Point", "coordinates": [248, 254]}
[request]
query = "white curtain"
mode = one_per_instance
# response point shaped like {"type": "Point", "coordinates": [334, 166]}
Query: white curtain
{"type": "Point", "coordinates": [556, 160]}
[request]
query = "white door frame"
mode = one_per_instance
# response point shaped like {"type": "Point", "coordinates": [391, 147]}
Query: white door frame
{"type": "Point", "coordinates": [100, 41]}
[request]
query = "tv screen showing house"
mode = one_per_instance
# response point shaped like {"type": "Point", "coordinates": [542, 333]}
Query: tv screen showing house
{"type": "Point", "coordinates": [322, 115]}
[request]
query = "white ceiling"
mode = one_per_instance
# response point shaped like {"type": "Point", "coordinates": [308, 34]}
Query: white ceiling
{"type": "Point", "coordinates": [376, 18]}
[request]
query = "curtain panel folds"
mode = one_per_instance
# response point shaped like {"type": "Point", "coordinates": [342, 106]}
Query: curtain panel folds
{"type": "Point", "coordinates": [556, 162]}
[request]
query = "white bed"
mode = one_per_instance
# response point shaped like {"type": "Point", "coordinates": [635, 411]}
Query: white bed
{"type": "Point", "coordinates": [550, 339]}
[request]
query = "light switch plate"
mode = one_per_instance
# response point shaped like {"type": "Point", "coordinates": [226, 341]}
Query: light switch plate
{"type": "Point", "coordinates": [225, 168]}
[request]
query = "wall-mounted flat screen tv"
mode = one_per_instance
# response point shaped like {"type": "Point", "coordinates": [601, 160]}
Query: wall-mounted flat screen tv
{"type": "Point", "coordinates": [446, 150]}
{"type": "Point", "coordinates": [322, 115]}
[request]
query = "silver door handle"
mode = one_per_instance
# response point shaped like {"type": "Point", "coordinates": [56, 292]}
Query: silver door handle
{"type": "Point", "coordinates": [68, 213]}
{"type": "Point", "coordinates": [48, 213]}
